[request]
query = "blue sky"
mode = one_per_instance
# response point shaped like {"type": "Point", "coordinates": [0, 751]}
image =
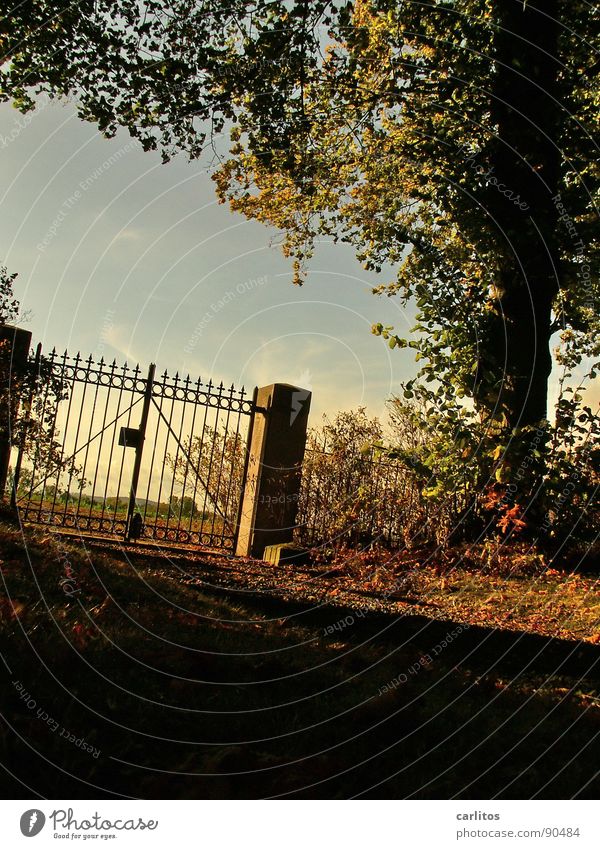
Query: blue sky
{"type": "Point", "coordinates": [121, 256]}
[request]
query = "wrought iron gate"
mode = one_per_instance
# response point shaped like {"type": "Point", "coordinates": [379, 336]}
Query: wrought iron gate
{"type": "Point", "coordinates": [118, 453]}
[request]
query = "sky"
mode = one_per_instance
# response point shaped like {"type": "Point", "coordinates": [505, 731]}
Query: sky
{"type": "Point", "coordinates": [123, 257]}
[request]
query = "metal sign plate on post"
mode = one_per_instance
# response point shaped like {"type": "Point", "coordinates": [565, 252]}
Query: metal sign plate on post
{"type": "Point", "coordinates": [129, 437]}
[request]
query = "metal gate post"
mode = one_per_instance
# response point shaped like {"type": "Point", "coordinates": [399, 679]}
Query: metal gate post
{"type": "Point", "coordinates": [139, 448]}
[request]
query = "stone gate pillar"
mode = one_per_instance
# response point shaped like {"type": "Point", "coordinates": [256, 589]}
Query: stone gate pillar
{"type": "Point", "coordinates": [270, 497]}
{"type": "Point", "coordinates": [14, 350]}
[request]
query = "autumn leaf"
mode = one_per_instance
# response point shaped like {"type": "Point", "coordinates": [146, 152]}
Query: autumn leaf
{"type": "Point", "coordinates": [511, 517]}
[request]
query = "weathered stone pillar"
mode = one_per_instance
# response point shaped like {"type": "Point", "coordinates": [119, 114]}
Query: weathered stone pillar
{"type": "Point", "coordinates": [270, 497]}
{"type": "Point", "coordinates": [14, 350]}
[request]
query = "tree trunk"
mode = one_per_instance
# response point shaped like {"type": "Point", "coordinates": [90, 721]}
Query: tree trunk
{"type": "Point", "coordinates": [515, 364]}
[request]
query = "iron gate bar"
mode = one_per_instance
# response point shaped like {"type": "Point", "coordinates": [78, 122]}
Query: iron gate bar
{"type": "Point", "coordinates": [232, 528]}
{"type": "Point", "coordinates": [87, 445]}
{"type": "Point", "coordinates": [43, 417]}
{"type": "Point", "coordinates": [212, 458]}
{"type": "Point", "coordinates": [162, 469]}
{"type": "Point", "coordinates": [136, 372]}
{"type": "Point", "coordinates": [81, 447]}
{"type": "Point", "coordinates": [101, 363]}
{"type": "Point", "coordinates": [112, 444]}
{"type": "Point", "coordinates": [145, 514]}
{"type": "Point", "coordinates": [53, 430]}
{"type": "Point", "coordinates": [231, 471]}
{"type": "Point", "coordinates": [210, 461]}
{"type": "Point", "coordinates": [227, 417]}
{"type": "Point", "coordinates": [139, 448]}
{"type": "Point", "coordinates": [204, 419]}
{"type": "Point", "coordinates": [79, 417]}
{"type": "Point", "coordinates": [238, 521]}
{"type": "Point", "coordinates": [178, 441]}
{"type": "Point", "coordinates": [192, 426]}
{"type": "Point", "coordinates": [191, 462]}
{"type": "Point", "coordinates": [62, 450]}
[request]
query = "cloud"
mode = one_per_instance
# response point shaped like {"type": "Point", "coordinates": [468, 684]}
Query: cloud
{"type": "Point", "coordinates": [116, 338]}
{"type": "Point", "coordinates": [130, 234]}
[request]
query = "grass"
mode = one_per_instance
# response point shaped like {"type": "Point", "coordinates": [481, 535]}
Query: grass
{"type": "Point", "coordinates": [192, 693]}
{"type": "Point", "coordinates": [510, 587]}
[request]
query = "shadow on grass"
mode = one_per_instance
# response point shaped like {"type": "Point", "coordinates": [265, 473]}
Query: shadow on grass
{"type": "Point", "coordinates": [137, 685]}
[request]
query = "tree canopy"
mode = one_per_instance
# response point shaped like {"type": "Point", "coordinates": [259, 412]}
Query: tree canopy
{"type": "Point", "coordinates": [453, 141]}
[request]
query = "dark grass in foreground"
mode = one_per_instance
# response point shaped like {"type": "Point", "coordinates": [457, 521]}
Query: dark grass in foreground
{"type": "Point", "coordinates": [188, 694]}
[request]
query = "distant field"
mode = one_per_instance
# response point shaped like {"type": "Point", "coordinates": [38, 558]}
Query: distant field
{"type": "Point", "coordinates": [75, 514]}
